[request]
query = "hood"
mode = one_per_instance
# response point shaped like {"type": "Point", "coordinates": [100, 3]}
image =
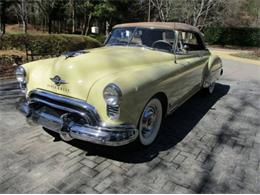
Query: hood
{"type": "Point", "coordinates": [79, 73]}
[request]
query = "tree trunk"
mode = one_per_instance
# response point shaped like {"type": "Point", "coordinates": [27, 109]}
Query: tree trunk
{"type": "Point", "coordinates": [49, 25]}
{"type": "Point", "coordinates": [73, 22]}
{"type": "Point", "coordinates": [83, 32]}
{"type": "Point", "coordinates": [45, 24]}
{"type": "Point", "coordinates": [107, 28]}
{"type": "Point", "coordinates": [73, 16]}
{"type": "Point", "coordinates": [88, 23]}
{"type": "Point", "coordinates": [24, 13]}
{"type": "Point", "coordinates": [59, 24]}
{"type": "Point", "coordinates": [3, 18]}
{"type": "Point", "coordinates": [149, 11]}
{"type": "Point", "coordinates": [24, 26]}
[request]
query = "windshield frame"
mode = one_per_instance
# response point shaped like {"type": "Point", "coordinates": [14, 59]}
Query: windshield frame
{"type": "Point", "coordinates": [142, 46]}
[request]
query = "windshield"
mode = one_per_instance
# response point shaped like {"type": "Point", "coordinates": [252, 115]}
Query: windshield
{"type": "Point", "coordinates": [161, 39]}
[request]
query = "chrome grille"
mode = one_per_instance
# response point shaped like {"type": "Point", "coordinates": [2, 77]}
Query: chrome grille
{"type": "Point", "coordinates": [65, 104]}
{"type": "Point", "coordinates": [113, 111]}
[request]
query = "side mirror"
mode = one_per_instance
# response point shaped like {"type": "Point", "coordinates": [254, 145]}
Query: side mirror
{"type": "Point", "coordinates": [186, 47]}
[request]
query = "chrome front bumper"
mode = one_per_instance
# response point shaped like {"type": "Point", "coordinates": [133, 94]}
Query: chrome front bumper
{"type": "Point", "coordinates": [73, 119]}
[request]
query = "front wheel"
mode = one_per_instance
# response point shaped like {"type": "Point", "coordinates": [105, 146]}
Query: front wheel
{"type": "Point", "coordinates": [150, 122]}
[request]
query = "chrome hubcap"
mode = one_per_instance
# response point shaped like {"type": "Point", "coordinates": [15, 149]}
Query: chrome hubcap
{"type": "Point", "coordinates": [150, 122]}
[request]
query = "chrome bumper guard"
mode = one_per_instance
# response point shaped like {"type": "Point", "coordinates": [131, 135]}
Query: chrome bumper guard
{"type": "Point", "coordinates": [66, 117]}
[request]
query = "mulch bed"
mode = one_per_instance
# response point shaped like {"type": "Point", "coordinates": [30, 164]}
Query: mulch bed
{"type": "Point", "coordinates": [8, 63]}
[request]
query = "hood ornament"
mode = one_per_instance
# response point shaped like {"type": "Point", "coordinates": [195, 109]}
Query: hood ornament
{"type": "Point", "coordinates": [71, 54]}
{"type": "Point", "coordinates": [58, 81]}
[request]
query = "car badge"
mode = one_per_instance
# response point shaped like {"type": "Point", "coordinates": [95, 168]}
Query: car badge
{"type": "Point", "coordinates": [58, 81]}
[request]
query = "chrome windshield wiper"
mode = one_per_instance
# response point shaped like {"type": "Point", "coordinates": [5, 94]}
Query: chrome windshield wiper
{"type": "Point", "coordinates": [113, 44]}
{"type": "Point", "coordinates": [131, 38]}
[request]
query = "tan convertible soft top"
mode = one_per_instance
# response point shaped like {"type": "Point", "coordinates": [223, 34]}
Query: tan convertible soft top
{"type": "Point", "coordinates": [161, 25]}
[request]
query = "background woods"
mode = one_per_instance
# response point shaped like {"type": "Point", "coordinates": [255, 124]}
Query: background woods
{"type": "Point", "coordinates": [77, 16]}
{"type": "Point", "coordinates": [68, 16]}
{"type": "Point", "coordinates": [35, 29]}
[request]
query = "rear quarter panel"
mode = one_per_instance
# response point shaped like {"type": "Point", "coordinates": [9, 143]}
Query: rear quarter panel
{"type": "Point", "coordinates": [213, 70]}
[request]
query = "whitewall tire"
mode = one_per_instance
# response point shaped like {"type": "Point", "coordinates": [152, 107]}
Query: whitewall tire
{"type": "Point", "coordinates": [150, 122]}
{"type": "Point", "coordinates": [211, 88]}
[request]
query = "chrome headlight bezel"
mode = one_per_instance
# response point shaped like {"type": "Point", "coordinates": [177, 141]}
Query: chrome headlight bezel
{"type": "Point", "coordinates": [112, 94]}
{"type": "Point", "coordinates": [20, 74]}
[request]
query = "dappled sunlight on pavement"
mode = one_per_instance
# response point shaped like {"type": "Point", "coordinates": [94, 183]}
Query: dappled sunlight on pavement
{"type": "Point", "coordinates": [211, 144]}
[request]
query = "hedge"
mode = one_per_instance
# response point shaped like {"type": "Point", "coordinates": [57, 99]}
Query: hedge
{"type": "Point", "coordinates": [47, 43]}
{"type": "Point", "coordinates": [100, 37]}
{"type": "Point", "coordinates": [248, 37]}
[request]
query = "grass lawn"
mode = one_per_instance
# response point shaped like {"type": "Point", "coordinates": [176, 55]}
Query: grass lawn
{"type": "Point", "coordinates": [12, 52]}
{"type": "Point", "coordinates": [17, 29]}
{"type": "Point", "coordinates": [253, 55]}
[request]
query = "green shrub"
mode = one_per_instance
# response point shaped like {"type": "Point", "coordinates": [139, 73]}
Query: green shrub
{"type": "Point", "coordinates": [248, 37]}
{"type": "Point", "coordinates": [100, 37]}
{"type": "Point", "coordinates": [42, 44]}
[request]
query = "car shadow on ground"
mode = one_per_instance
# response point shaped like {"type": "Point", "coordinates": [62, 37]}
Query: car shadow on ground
{"type": "Point", "coordinates": [174, 129]}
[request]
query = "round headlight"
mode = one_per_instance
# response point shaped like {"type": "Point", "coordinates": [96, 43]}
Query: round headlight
{"type": "Point", "coordinates": [20, 74]}
{"type": "Point", "coordinates": [112, 94]}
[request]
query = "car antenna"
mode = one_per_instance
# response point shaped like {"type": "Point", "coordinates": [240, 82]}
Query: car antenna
{"type": "Point", "coordinates": [176, 41]}
{"type": "Point", "coordinates": [175, 59]}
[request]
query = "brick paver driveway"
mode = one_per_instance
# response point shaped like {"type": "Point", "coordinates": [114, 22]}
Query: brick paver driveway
{"type": "Point", "coordinates": [210, 144]}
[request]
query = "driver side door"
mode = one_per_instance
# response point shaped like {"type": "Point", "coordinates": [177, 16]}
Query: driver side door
{"type": "Point", "coordinates": [191, 57]}
{"type": "Point", "coordinates": [197, 54]}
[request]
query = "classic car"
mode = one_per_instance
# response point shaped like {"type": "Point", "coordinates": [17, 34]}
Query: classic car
{"type": "Point", "coordinates": [121, 92]}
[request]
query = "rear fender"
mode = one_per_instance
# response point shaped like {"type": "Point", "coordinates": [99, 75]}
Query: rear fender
{"type": "Point", "coordinates": [213, 71]}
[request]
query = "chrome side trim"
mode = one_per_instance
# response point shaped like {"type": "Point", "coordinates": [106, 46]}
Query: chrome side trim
{"type": "Point", "coordinates": [184, 99]}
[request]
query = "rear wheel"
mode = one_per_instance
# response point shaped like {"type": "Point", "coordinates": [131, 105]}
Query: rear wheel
{"type": "Point", "coordinates": [211, 88]}
{"type": "Point", "coordinates": [150, 122]}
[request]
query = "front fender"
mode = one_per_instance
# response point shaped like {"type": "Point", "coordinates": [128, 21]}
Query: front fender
{"type": "Point", "coordinates": [137, 86]}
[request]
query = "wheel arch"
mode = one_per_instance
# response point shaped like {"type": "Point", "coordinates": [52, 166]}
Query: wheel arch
{"type": "Point", "coordinates": [213, 66]}
{"type": "Point", "coordinates": [214, 60]}
{"type": "Point", "coordinates": [164, 101]}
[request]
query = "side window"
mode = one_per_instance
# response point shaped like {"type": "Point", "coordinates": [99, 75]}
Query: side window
{"type": "Point", "coordinates": [168, 36]}
{"type": "Point", "coordinates": [190, 38]}
{"type": "Point", "coordinates": [190, 41]}
{"type": "Point", "coordinates": [160, 39]}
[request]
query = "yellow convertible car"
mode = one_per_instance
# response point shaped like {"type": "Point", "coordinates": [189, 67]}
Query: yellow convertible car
{"type": "Point", "coordinates": [121, 92]}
